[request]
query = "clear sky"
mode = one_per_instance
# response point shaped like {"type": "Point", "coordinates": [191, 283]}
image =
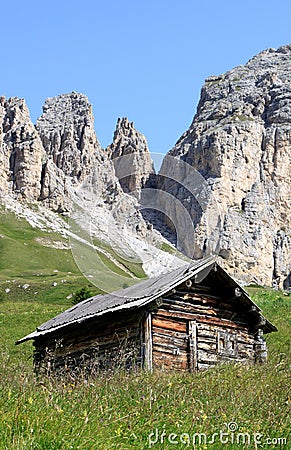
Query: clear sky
{"type": "Point", "coordinates": [146, 60]}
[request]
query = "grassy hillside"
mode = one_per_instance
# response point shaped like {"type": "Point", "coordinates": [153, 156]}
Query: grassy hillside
{"type": "Point", "coordinates": [31, 256]}
{"type": "Point", "coordinates": [22, 254]}
{"type": "Point", "coordinates": [127, 411]}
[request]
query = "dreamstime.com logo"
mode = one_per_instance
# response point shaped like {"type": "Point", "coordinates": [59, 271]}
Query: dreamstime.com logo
{"type": "Point", "coordinates": [230, 434]}
{"type": "Point", "coordinates": [184, 197]}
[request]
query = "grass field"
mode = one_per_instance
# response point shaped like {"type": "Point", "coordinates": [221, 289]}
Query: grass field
{"type": "Point", "coordinates": [127, 411]}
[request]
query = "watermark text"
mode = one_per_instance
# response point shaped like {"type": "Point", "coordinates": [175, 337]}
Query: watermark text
{"type": "Point", "coordinates": [230, 434]}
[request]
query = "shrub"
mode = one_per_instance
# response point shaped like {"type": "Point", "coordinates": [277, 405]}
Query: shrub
{"type": "Point", "coordinates": [81, 294]}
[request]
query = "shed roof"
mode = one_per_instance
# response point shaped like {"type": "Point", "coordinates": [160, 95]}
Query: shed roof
{"type": "Point", "coordinates": [136, 296]}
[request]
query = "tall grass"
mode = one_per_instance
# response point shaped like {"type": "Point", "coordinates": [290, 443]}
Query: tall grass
{"type": "Point", "coordinates": [134, 410]}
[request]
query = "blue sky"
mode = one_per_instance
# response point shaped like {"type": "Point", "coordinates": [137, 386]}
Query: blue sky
{"type": "Point", "coordinates": [144, 60]}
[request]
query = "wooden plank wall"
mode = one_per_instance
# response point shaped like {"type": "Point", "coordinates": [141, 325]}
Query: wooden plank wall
{"type": "Point", "coordinates": [170, 346]}
{"type": "Point", "coordinates": [214, 317]}
{"type": "Point", "coordinates": [114, 344]}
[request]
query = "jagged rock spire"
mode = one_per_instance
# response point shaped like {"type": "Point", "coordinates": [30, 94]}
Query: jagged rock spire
{"type": "Point", "coordinates": [131, 157]}
{"type": "Point", "coordinates": [21, 151]}
{"type": "Point", "coordinates": [66, 129]}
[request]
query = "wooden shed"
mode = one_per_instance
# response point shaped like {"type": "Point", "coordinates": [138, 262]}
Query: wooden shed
{"type": "Point", "coordinates": [189, 319]}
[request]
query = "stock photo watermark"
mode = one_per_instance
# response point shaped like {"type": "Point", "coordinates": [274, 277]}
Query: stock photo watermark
{"type": "Point", "coordinates": [124, 227]}
{"type": "Point", "coordinates": [228, 434]}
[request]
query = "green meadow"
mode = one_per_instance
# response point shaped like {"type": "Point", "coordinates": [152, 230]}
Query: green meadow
{"type": "Point", "coordinates": [227, 407]}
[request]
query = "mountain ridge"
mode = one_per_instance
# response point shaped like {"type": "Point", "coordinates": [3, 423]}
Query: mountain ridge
{"type": "Point", "coordinates": [238, 143]}
{"type": "Point", "coordinates": [72, 175]}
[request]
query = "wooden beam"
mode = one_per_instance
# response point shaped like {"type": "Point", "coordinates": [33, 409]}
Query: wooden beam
{"type": "Point", "coordinates": [148, 343]}
{"type": "Point", "coordinates": [192, 346]}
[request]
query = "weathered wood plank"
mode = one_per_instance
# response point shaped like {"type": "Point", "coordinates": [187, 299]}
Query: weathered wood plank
{"type": "Point", "coordinates": [167, 353]}
{"type": "Point", "coordinates": [206, 333]}
{"type": "Point", "coordinates": [207, 357]}
{"type": "Point", "coordinates": [171, 333]}
{"type": "Point", "coordinates": [190, 308]}
{"type": "Point", "coordinates": [159, 353]}
{"type": "Point", "coordinates": [168, 340]}
{"type": "Point", "coordinates": [168, 324]}
{"type": "Point", "coordinates": [204, 298]}
{"type": "Point", "coordinates": [188, 301]}
{"type": "Point", "coordinates": [201, 318]}
{"type": "Point", "coordinates": [165, 362]}
{"type": "Point", "coordinates": [209, 346]}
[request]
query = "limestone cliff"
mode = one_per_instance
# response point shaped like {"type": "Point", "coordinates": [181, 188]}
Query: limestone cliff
{"type": "Point", "coordinates": [240, 142]}
{"type": "Point", "coordinates": [73, 153]}
{"type": "Point", "coordinates": [66, 129]}
{"type": "Point", "coordinates": [131, 157]}
{"type": "Point", "coordinates": [21, 151]}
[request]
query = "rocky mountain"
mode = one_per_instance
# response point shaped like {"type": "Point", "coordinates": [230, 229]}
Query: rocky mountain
{"type": "Point", "coordinates": [131, 158]}
{"type": "Point", "coordinates": [240, 143]}
{"type": "Point", "coordinates": [21, 151]}
{"type": "Point", "coordinates": [59, 164]}
{"type": "Point", "coordinates": [73, 155]}
{"type": "Point", "coordinates": [224, 188]}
